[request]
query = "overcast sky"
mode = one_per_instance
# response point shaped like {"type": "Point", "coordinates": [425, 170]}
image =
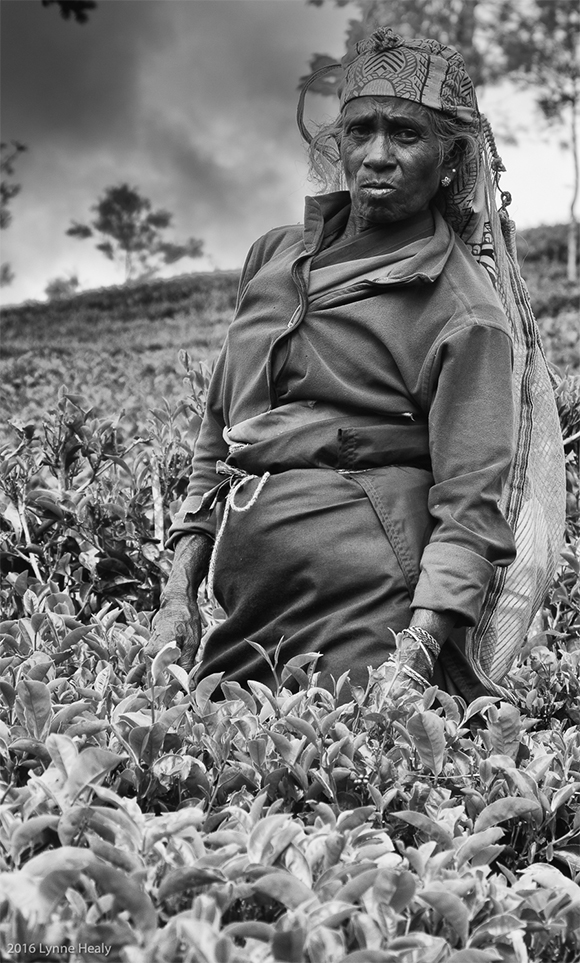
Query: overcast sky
{"type": "Point", "coordinates": [193, 102]}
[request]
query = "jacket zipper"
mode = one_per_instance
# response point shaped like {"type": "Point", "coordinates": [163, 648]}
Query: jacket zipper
{"type": "Point", "coordinates": [292, 324]}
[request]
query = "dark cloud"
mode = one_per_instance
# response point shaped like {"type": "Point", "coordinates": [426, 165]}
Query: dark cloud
{"type": "Point", "coordinates": [71, 83]}
{"type": "Point", "coordinates": [191, 101]}
{"type": "Point", "coordinates": [222, 116]}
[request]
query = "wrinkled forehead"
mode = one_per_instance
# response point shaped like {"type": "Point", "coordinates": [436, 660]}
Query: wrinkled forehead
{"type": "Point", "coordinates": [393, 108]}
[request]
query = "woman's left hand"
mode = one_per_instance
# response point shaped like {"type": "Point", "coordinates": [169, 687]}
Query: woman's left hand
{"type": "Point", "coordinates": [413, 661]}
{"type": "Point", "coordinates": [393, 683]}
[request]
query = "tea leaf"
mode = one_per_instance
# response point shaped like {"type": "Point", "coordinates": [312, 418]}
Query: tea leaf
{"type": "Point", "coordinates": [427, 731]}
{"type": "Point", "coordinates": [397, 887]}
{"type": "Point", "coordinates": [92, 765]}
{"type": "Point", "coordinates": [33, 746]}
{"type": "Point", "coordinates": [263, 694]}
{"type": "Point", "coordinates": [354, 889]}
{"type": "Point", "coordinates": [370, 956]}
{"type": "Point", "coordinates": [496, 926]}
{"type": "Point", "coordinates": [119, 858]}
{"type": "Point", "coordinates": [426, 825]}
{"type": "Point", "coordinates": [451, 907]}
{"type": "Point", "coordinates": [260, 840]}
{"type": "Point", "coordinates": [76, 635]}
{"type": "Point", "coordinates": [172, 716]}
{"type": "Point", "coordinates": [204, 689]}
{"type": "Point", "coordinates": [563, 794]}
{"type": "Point", "coordinates": [250, 930]}
{"type": "Point", "coordinates": [63, 751]}
{"type": "Point", "coordinates": [9, 511]}
{"type": "Point", "coordinates": [55, 884]}
{"type": "Point", "coordinates": [544, 874]}
{"type": "Point", "coordinates": [69, 712]}
{"type": "Point", "coordinates": [539, 766]}
{"type": "Point", "coordinates": [165, 657]}
{"type": "Point", "coordinates": [475, 707]}
{"type": "Point", "coordinates": [147, 742]}
{"type": "Point", "coordinates": [262, 651]}
{"type": "Point", "coordinates": [128, 894]}
{"type": "Point", "coordinates": [187, 878]}
{"type": "Point", "coordinates": [477, 842]}
{"type": "Point", "coordinates": [354, 818]}
{"type": "Point", "coordinates": [35, 699]}
{"type": "Point", "coordinates": [505, 727]}
{"type": "Point", "coordinates": [284, 747]}
{"type": "Point", "coordinates": [27, 833]}
{"type": "Point", "coordinates": [101, 682]}
{"type": "Point", "coordinates": [180, 674]}
{"type": "Point", "coordinates": [285, 888]}
{"type": "Point", "coordinates": [510, 807]}
{"type": "Point", "coordinates": [288, 945]}
{"type": "Point", "coordinates": [65, 858]}
{"type": "Point", "coordinates": [303, 727]}
{"type": "Point", "coordinates": [475, 956]}
{"type": "Point", "coordinates": [450, 707]}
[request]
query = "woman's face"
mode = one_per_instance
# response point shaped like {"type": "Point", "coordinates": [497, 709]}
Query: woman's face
{"type": "Point", "coordinates": [390, 157]}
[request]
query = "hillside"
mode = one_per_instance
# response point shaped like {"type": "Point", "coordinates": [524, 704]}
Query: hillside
{"type": "Point", "coordinates": [152, 300]}
{"type": "Point", "coordinates": [119, 346]}
{"type": "Point", "coordinates": [541, 251]}
{"type": "Point", "coordinates": [116, 346]}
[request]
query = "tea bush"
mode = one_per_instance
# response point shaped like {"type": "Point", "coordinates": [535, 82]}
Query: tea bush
{"type": "Point", "coordinates": [148, 821]}
{"type": "Point", "coordinates": [116, 346]}
{"type": "Point", "coordinates": [144, 819]}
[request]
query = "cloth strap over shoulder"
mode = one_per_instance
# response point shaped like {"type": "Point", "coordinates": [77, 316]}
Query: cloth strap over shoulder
{"type": "Point", "coordinates": [533, 499]}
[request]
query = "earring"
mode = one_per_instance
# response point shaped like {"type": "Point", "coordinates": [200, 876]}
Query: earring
{"type": "Point", "coordinates": [445, 181]}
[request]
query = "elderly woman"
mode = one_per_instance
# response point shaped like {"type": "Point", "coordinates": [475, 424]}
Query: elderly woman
{"type": "Point", "coordinates": [358, 433]}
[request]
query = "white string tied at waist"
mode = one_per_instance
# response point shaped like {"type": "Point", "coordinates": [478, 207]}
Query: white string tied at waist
{"type": "Point", "coordinates": [230, 506]}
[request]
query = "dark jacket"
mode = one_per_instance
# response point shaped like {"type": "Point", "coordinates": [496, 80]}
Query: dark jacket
{"type": "Point", "coordinates": [429, 340]}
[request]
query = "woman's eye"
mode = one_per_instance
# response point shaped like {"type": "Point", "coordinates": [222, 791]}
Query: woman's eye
{"type": "Point", "coordinates": [359, 130]}
{"type": "Point", "coordinates": [406, 134]}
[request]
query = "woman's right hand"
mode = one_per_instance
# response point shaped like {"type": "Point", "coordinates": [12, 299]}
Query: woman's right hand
{"type": "Point", "coordinates": [178, 618]}
{"type": "Point", "coordinates": [178, 621]}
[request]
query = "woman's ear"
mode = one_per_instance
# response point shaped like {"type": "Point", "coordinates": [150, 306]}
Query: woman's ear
{"type": "Point", "coordinates": [447, 176]}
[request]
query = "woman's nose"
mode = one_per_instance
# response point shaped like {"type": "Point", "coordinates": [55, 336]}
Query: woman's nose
{"type": "Point", "coordinates": [379, 153]}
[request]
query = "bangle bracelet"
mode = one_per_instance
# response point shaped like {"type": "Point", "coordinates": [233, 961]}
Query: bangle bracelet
{"type": "Point", "coordinates": [423, 637]}
{"type": "Point", "coordinates": [415, 676]}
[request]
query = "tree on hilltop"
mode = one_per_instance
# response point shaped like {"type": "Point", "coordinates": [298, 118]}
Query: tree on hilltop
{"type": "Point", "coordinates": [9, 151]}
{"type": "Point", "coordinates": [61, 288]}
{"type": "Point", "coordinates": [131, 232]}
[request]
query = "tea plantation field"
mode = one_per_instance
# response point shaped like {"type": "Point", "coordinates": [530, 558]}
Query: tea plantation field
{"type": "Point", "coordinates": [117, 346]}
{"type": "Point", "coordinates": [143, 820]}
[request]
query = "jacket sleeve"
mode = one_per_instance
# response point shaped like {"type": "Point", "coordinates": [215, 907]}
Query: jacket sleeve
{"type": "Point", "coordinates": [471, 446]}
{"type": "Point", "coordinates": [210, 446]}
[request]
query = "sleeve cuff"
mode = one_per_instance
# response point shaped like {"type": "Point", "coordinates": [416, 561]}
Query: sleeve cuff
{"type": "Point", "coordinates": [452, 579]}
{"type": "Point", "coordinates": [187, 522]}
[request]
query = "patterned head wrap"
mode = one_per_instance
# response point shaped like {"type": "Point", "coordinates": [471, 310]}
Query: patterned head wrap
{"type": "Point", "coordinates": [424, 71]}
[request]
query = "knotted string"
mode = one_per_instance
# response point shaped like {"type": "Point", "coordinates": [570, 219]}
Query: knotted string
{"type": "Point", "coordinates": [230, 506]}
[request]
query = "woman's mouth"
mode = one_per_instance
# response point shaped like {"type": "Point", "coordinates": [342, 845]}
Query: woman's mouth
{"type": "Point", "coordinates": [377, 190]}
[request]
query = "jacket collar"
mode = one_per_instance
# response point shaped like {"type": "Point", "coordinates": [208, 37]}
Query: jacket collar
{"type": "Point", "coordinates": [326, 209]}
